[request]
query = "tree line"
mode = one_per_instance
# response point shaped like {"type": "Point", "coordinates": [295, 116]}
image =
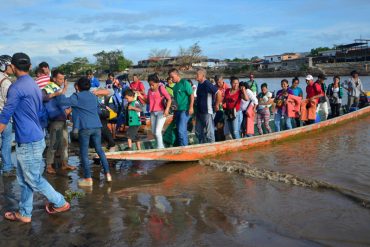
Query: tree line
{"type": "Point", "coordinates": [106, 62]}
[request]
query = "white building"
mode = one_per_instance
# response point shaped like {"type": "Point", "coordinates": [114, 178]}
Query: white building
{"type": "Point", "coordinates": [273, 59]}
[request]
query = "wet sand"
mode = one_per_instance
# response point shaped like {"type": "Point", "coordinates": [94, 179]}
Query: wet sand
{"type": "Point", "coordinates": [157, 204]}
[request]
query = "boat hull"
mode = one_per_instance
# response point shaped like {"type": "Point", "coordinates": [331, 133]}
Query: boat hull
{"type": "Point", "coordinates": [203, 151]}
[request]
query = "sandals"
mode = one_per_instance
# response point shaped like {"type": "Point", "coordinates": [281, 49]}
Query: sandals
{"type": "Point", "coordinates": [49, 207]}
{"type": "Point", "coordinates": [16, 216]}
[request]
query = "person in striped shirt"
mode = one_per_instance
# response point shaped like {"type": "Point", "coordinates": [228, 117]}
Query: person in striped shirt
{"type": "Point", "coordinates": [43, 75]}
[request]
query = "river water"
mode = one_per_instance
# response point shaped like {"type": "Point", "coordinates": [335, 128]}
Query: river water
{"type": "Point", "coordinates": [187, 204]}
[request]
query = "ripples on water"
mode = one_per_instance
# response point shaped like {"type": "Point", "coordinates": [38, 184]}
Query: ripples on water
{"type": "Point", "coordinates": [156, 204]}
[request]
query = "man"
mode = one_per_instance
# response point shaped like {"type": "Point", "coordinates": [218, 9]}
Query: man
{"type": "Point", "coordinates": [184, 98]}
{"type": "Point", "coordinates": [95, 83]}
{"type": "Point", "coordinates": [354, 89]}
{"type": "Point", "coordinates": [58, 131]}
{"type": "Point", "coordinates": [314, 92]}
{"type": "Point", "coordinates": [6, 137]}
{"type": "Point", "coordinates": [323, 108]}
{"type": "Point", "coordinates": [252, 84]}
{"type": "Point", "coordinates": [43, 75]}
{"type": "Point", "coordinates": [204, 128]}
{"type": "Point", "coordinates": [23, 104]}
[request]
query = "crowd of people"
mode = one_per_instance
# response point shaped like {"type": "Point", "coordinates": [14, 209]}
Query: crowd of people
{"type": "Point", "coordinates": [39, 108]}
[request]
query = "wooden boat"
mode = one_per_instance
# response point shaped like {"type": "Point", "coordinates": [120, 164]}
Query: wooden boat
{"type": "Point", "coordinates": [148, 124]}
{"type": "Point", "coordinates": [203, 151]}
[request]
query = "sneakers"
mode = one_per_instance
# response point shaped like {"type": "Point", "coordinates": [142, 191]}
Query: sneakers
{"type": "Point", "coordinates": [85, 182]}
{"type": "Point", "coordinates": [108, 177]}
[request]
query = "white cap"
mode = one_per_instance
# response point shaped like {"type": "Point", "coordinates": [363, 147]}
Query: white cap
{"type": "Point", "coordinates": [309, 78]}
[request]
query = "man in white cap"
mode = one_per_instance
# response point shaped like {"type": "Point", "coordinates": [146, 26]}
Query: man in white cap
{"type": "Point", "coordinates": [313, 91]}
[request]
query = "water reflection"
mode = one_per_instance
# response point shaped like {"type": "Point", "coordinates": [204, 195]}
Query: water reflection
{"type": "Point", "coordinates": [160, 204]}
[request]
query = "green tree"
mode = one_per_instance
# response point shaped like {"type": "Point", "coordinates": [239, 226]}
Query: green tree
{"type": "Point", "coordinates": [77, 66]}
{"type": "Point", "coordinates": [113, 61]}
{"type": "Point", "coordinates": [316, 51]}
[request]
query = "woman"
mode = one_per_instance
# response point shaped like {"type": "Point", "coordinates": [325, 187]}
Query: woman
{"type": "Point", "coordinates": [280, 108]}
{"type": "Point", "coordinates": [159, 101]}
{"type": "Point", "coordinates": [263, 110]}
{"type": "Point", "coordinates": [335, 94]}
{"type": "Point", "coordinates": [248, 108]}
{"type": "Point", "coordinates": [297, 91]}
{"type": "Point", "coordinates": [232, 99]}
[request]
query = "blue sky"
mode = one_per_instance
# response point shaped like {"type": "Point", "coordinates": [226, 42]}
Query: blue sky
{"type": "Point", "coordinates": [58, 31]}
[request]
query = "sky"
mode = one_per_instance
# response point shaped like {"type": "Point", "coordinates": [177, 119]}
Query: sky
{"type": "Point", "coordinates": [58, 31]}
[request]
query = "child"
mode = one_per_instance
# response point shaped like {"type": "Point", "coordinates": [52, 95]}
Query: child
{"type": "Point", "coordinates": [133, 119]}
{"type": "Point", "coordinates": [85, 105]}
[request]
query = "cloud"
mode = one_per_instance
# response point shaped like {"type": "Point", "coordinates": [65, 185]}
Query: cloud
{"type": "Point", "coordinates": [27, 26]}
{"type": "Point", "coordinates": [268, 34]}
{"type": "Point", "coordinates": [72, 37]}
{"type": "Point", "coordinates": [158, 33]}
{"type": "Point", "coordinates": [64, 51]}
{"type": "Point", "coordinates": [123, 17]}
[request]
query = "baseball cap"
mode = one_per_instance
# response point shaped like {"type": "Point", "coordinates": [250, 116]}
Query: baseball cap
{"type": "Point", "coordinates": [5, 60]}
{"type": "Point", "coordinates": [21, 60]}
{"type": "Point", "coordinates": [322, 76]}
{"type": "Point", "coordinates": [309, 77]}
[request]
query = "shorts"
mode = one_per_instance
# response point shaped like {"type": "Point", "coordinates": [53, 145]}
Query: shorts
{"type": "Point", "coordinates": [132, 133]}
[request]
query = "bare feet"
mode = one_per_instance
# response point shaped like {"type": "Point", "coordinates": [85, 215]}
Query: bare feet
{"type": "Point", "coordinates": [68, 167]}
{"type": "Point", "coordinates": [50, 169]}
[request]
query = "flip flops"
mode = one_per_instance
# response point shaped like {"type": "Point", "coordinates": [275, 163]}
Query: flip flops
{"type": "Point", "coordinates": [15, 216]}
{"type": "Point", "coordinates": [50, 209]}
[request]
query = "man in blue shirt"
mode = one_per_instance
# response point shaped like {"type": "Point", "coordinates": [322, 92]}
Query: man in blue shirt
{"type": "Point", "coordinates": [93, 81]}
{"type": "Point", "coordinates": [24, 103]}
{"type": "Point", "coordinates": [204, 128]}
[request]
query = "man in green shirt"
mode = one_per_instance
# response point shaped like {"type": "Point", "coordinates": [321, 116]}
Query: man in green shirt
{"type": "Point", "coordinates": [184, 98]}
{"type": "Point", "coordinates": [252, 84]}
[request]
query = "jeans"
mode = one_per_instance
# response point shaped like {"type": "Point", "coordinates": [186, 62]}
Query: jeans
{"type": "Point", "coordinates": [6, 148]}
{"type": "Point", "coordinates": [182, 118]}
{"type": "Point", "coordinates": [335, 110]}
{"type": "Point", "coordinates": [205, 128]}
{"type": "Point", "coordinates": [84, 136]}
{"type": "Point", "coordinates": [157, 120]}
{"type": "Point", "coordinates": [277, 120]}
{"type": "Point", "coordinates": [352, 100]}
{"type": "Point", "coordinates": [30, 167]}
{"type": "Point", "coordinates": [58, 140]}
{"type": "Point", "coordinates": [323, 110]}
{"type": "Point", "coordinates": [234, 125]}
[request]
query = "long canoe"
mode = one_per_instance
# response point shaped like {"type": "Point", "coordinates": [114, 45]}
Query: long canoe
{"type": "Point", "coordinates": [203, 151]}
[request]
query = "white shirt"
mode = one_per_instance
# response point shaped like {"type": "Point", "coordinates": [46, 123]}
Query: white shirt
{"type": "Point", "coordinates": [4, 89]}
{"type": "Point", "coordinates": [245, 103]}
{"type": "Point", "coordinates": [265, 99]}
{"type": "Point", "coordinates": [356, 90]}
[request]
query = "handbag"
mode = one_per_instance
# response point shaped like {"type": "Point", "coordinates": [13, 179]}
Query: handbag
{"type": "Point", "coordinates": [231, 113]}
